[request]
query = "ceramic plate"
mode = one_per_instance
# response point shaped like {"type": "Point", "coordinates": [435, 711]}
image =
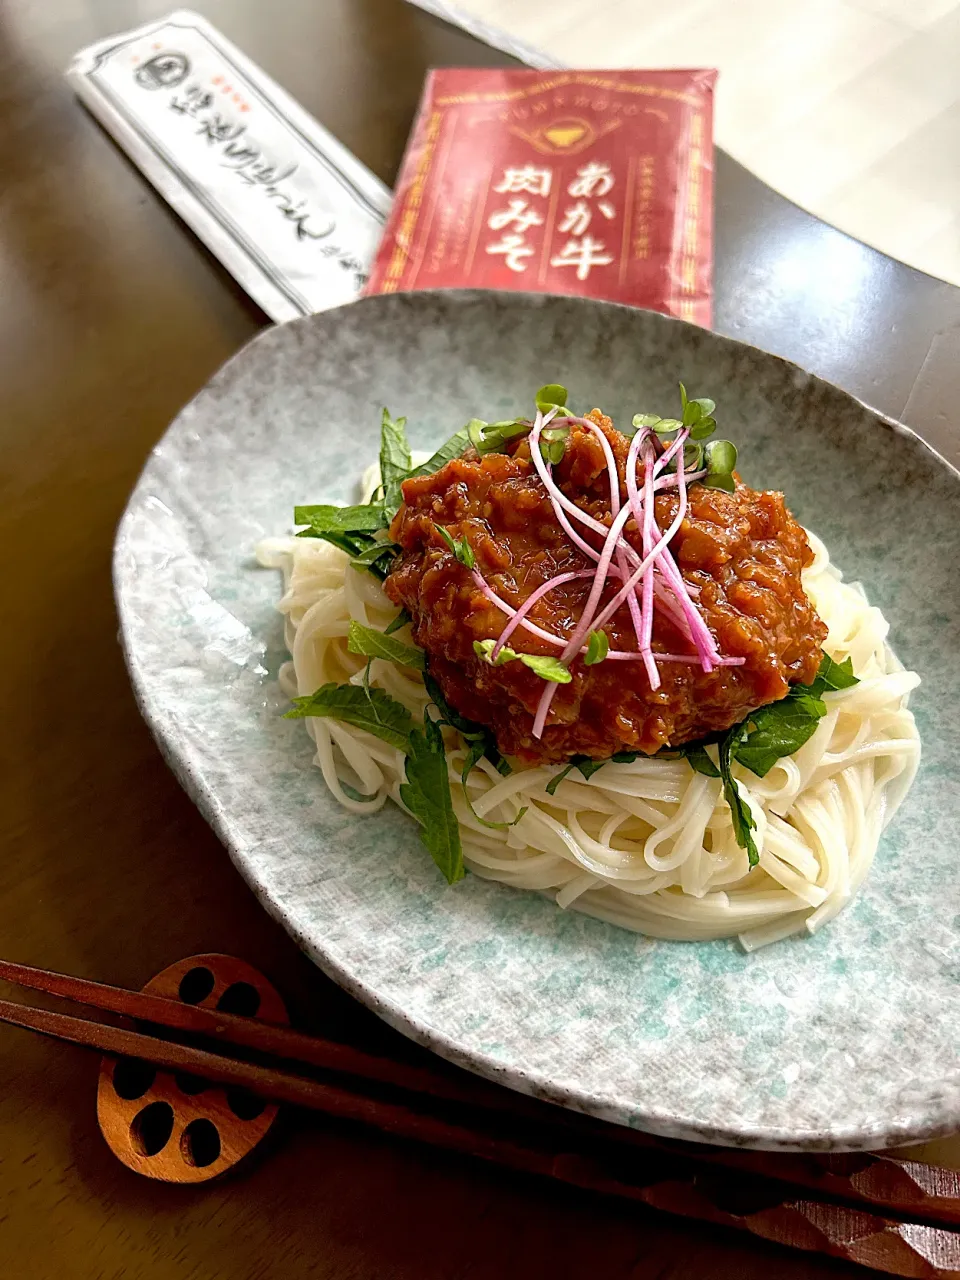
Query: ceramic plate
{"type": "Point", "coordinates": [845, 1040]}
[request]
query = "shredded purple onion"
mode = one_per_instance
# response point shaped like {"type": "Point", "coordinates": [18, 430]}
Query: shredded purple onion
{"type": "Point", "coordinates": [519, 614]}
{"type": "Point", "coordinates": [649, 524]}
{"type": "Point", "coordinates": [650, 581]}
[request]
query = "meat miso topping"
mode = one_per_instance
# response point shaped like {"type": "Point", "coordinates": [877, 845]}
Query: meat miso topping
{"type": "Point", "coordinates": [740, 553]}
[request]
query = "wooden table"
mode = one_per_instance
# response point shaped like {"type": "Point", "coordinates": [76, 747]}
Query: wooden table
{"type": "Point", "coordinates": [112, 317]}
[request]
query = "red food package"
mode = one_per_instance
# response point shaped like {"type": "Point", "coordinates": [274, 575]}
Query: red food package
{"type": "Point", "coordinates": [591, 182]}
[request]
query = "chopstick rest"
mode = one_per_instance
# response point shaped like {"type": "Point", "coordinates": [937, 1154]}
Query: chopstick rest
{"type": "Point", "coordinates": [173, 1126]}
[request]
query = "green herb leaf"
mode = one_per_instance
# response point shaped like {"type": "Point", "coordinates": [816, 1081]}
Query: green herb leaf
{"type": "Point", "coordinates": [449, 714]}
{"type": "Point", "coordinates": [598, 646]}
{"type": "Point", "coordinates": [426, 793]}
{"type": "Point", "coordinates": [781, 728]}
{"type": "Point", "coordinates": [460, 547]}
{"type": "Point", "coordinates": [453, 448]}
{"type": "Point", "coordinates": [477, 433]}
{"type": "Point", "coordinates": [325, 519]}
{"type": "Point", "coordinates": [352, 543]}
{"type": "Point", "coordinates": [474, 755]}
{"type": "Point", "coordinates": [778, 730]}
{"type": "Point", "coordinates": [705, 406]}
{"type": "Point", "coordinates": [468, 728]}
{"type": "Point", "coordinates": [395, 462]}
{"type": "Point", "coordinates": [832, 675]}
{"type": "Point", "coordinates": [447, 537]}
{"type": "Point", "coordinates": [766, 736]}
{"type": "Point", "coordinates": [477, 749]}
{"type": "Point", "coordinates": [401, 620]}
{"type": "Point", "coordinates": [551, 787]}
{"type": "Point", "coordinates": [721, 456]}
{"type": "Point", "coordinates": [377, 558]}
{"type": "Point", "coordinates": [374, 551]}
{"type": "Point", "coordinates": [697, 414]}
{"type": "Point", "coordinates": [696, 755]}
{"type": "Point", "coordinates": [743, 820]}
{"type": "Point", "coordinates": [587, 766]}
{"type": "Point", "coordinates": [377, 644]}
{"type": "Point", "coordinates": [369, 709]}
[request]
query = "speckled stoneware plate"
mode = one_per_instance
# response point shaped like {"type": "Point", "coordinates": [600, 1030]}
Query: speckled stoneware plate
{"type": "Point", "coordinates": [848, 1039]}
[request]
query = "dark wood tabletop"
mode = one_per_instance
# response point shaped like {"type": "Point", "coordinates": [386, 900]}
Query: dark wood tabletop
{"type": "Point", "coordinates": [113, 316]}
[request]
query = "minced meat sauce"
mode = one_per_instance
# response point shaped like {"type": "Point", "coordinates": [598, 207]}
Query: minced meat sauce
{"type": "Point", "coordinates": [743, 551]}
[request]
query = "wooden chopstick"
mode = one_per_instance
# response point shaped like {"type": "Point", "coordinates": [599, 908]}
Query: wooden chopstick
{"type": "Point", "coordinates": [665, 1181]}
{"type": "Point", "coordinates": [274, 1084]}
{"type": "Point", "coordinates": [903, 1188]}
{"type": "Point", "coordinates": [264, 1037]}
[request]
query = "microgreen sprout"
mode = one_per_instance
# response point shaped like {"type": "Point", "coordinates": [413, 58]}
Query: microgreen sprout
{"type": "Point", "coordinates": [546, 667]}
{"type": "Point", "coordinates": [552, 396]}
{"type": "Point", "coordinates": [552, 399]}
{"type": "Point", "coordinates": [459, 546]}
{"type": "Point", "coordinates": [721, 458]}
{"type": "Point", "coordinates": [484, 651]}
{"type": "Point", "coordinates": [698, 415]}
{"type": "Point", "coordinates": [697, 422]}
{"type": "Point", "coordinates": [692, 456]}
{"type": "Point", "coordinates": [490, 437]}
{"type": "Point", "coordinates": [553, 443]}
{"type": "Point", "coordinates": [666, 454]}
{"type": "Point", "coordinates": [598, 646]}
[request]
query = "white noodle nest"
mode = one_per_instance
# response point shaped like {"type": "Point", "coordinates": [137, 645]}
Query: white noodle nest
{"type": "Point", "coordinates": [649, 845]}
